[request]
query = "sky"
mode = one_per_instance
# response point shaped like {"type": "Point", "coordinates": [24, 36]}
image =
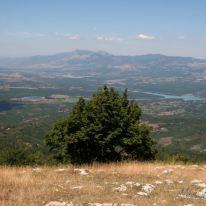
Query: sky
{"type": "Point", "coordinates": [126, 27]}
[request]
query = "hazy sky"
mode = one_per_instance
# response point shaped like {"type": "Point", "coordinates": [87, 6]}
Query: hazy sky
{"type": "Point", "coordinates": [172, 27]}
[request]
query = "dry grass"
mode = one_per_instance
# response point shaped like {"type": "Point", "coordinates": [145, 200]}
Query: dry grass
{"type": "Point", "coordinates": [28, 186]}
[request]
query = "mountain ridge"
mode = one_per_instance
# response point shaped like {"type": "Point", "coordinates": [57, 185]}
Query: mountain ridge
{"type": "Point", "coordinates": [82, 51]}
{"type": "Point", "coordinates": [88, 57]}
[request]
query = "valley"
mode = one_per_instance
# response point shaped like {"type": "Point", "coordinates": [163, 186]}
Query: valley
{"type": "Point", "coordinates": [36, 91]}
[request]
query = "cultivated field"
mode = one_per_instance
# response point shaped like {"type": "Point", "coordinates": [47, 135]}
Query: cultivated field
{"type": "Point", "coordinates": [143, 184]}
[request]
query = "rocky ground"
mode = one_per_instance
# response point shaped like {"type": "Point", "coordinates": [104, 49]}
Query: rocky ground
{"type": "Point", "coordinates": [128, 184]}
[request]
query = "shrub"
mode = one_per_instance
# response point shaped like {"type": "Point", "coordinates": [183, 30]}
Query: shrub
{"type": "Point", "coordinates": [105, 128]}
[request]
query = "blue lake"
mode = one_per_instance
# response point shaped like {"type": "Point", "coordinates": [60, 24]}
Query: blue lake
{"type": "Point", "coordinates": [185, 97]}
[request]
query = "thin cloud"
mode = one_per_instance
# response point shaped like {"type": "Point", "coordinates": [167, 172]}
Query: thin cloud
{"type": "Point", "coordinates": [109, 38]}
{"type": "Point", "coordinates": [73, 36]}
{"type": "Point", "coordinates": [26, 34]}
{"type": "Point", "coordinates": [68, 36]}
{"type": "Point", "coordinates": [145, 37]}
{"type": "Point", "coordinates": [181, 37]}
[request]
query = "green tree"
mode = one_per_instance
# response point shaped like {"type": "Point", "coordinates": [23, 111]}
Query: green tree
{"type": "Point", "coordinates": [22, 155]}
{"type": "Point", "coordinates": [105, 128]}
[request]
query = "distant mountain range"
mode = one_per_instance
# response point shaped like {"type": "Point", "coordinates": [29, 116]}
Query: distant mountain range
{"type": "Point", "coordinates": [101, 59]}
{"type": "Point", "coordinates": [152, 72]}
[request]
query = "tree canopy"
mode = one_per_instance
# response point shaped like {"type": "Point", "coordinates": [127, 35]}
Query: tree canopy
{"type": "Point", "coordinates": [105, 128]}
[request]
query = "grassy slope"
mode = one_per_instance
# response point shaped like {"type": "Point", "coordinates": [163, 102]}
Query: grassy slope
{"type": "Point", "coordinates": [39, 186]}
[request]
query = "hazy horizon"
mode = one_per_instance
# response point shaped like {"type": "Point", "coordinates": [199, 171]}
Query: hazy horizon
{"type": "Point", "coordinates": [89, 50]}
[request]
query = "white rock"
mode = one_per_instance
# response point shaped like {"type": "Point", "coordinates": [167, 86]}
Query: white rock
{"type": "Point", "coordinates": [142, 193]}
{"type": "Point", "coordinates": [126, 204]}
{"type": "Point", "coordinates": [61, 186]}
{"type": "Point", "coordinates": [108, 204]}
{"type": "Point", "coordinates": [169, 181]}
{"type": "Point", "coordinates": [137, 184]}
{"type": "Point", "coordinates": [129, 183]}
{"type": "Point", "coordinates": [37, 169]}
{"type": "Point", "coordinates": [167, 171]}
{"type": "Point", "coordinates": [115, 183]}
{"type": "Point", "coordinates": [183, 196]}
{"type": "Point", "coordinates": [81, 171]}
{"type": "Point", "coordinates": [194, 182]}
{"type": "Point", "coordinates": [70, 204]}
{"type": "Point", "coordinates": [121, 188]}
{"type": "Point", "coordinates": [95, 204]}
{"type": "Point", "coordinates": [173, 190]}
{"type": "Point", "coordinates": [203, 185]}
{"type": "Point", "coordinates": [202, 193]}
{"type": "Point", "coordinates": [148, 188]}
{"type": "Point", "coordinates": [101, 204]}
{"type": "Point", "coordinates": [99, 186]}
{"type": "Point", "coordinates": [60, 170]}
{"type": "Point", "coordinates": [77, 187]}
{"type": "Point", "coordinates": [56, 203]}
{"type": "Point", "coordinates": [158, 182]}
